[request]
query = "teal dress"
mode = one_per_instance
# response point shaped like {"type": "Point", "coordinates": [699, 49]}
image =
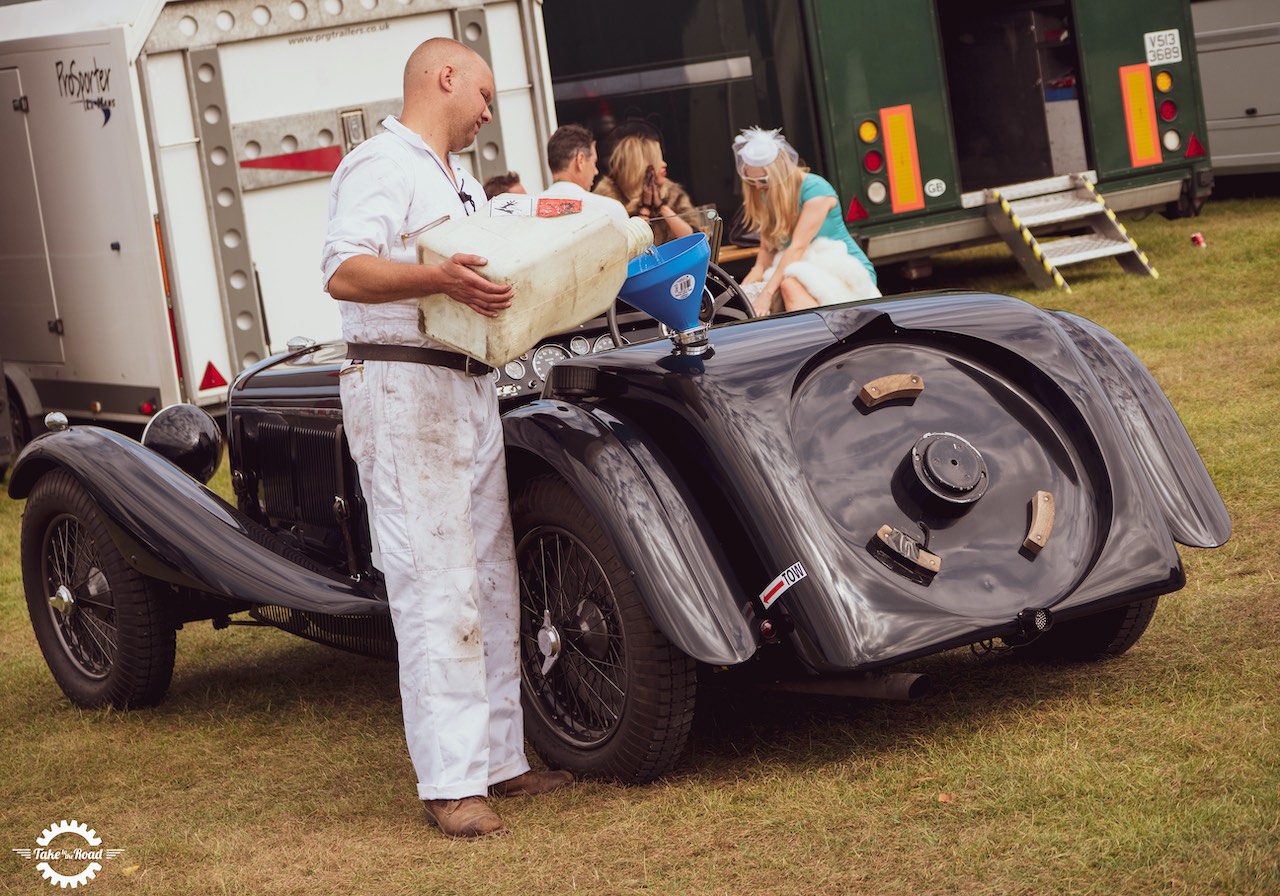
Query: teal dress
{"type": "Point", "coordinates": [833, 225]}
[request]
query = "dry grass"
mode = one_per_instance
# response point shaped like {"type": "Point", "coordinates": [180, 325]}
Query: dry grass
{"type": "Point", "coordinates": [277, 766]}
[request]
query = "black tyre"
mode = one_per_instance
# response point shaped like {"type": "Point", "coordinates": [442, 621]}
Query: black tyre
{"type": "Point", "coordinates": [20, 429]}
{"type": "Point", "coordinates": [101, 625]}
{"type": "Point", "coordinates": [606, 695]}
{"type": "Point", "coordinates": [1102, 635]}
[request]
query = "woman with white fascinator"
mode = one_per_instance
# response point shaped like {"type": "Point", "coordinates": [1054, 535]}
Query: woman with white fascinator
{"type": "Point", "coordinates": [807, 257]}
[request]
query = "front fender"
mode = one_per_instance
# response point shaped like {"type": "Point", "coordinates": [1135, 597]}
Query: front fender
{"type": "Point", "coordinates": [627, 489]}
{"type": "Point", "coordinates": [170, 527]}
{"type": "Point", "coordinates": [1191, 505]}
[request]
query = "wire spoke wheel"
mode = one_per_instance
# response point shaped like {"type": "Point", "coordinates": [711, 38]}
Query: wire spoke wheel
{"type": "Point", "coordinates": [585, 683]}
{"type": "Point", "coordinates": [102, 626]}
{"type": "Point", "coordinates": [605, 693]}
{"type": "Point", "coordinates": [79, 604]}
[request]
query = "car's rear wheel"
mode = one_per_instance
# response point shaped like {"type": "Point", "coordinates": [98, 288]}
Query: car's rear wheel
{"type": "Point", "coordinates": [1099, 636]}
{"type": "Point", "coordinates": [101, 625]}
{"type": "Point", "coordinates": [605, 693]}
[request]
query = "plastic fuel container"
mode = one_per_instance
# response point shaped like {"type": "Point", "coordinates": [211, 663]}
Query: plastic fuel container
{"type": "Point", "coordinates": [563, 270]}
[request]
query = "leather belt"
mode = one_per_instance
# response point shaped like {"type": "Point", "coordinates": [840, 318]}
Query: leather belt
{"type": "Point", "coordinates": [416, 354]}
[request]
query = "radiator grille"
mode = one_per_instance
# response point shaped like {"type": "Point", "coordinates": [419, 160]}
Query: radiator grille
{"type": "Point", "coordinates": [299, 472]}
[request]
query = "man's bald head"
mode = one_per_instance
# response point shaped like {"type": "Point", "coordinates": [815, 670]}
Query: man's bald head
{"type": "Point", "coordinates": [447, 90]}
{"type": "Point", "coordinates": [431, 56]}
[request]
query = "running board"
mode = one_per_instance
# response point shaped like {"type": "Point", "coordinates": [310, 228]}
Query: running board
{"type": "Point", "coordinates": [1057, 204]}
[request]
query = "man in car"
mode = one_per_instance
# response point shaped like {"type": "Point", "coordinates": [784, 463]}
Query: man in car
{"type": "Point", "coordinates": [424, 429]}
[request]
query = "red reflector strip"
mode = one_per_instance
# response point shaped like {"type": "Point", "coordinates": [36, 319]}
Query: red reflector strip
{"type": "Point", "coordinates": [1195, 148]}
{"type": "Point", "coordinates": [1140, 114]}
{"type": "Point", "coordinates": [902, 158]}
{"type": "Point", "coordinates": [325, 159]}
{"type": "Point", "coordinates": [856, 211]}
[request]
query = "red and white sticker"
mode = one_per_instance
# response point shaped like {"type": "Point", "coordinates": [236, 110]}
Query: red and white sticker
{"type": "Point", "coordinates": [778, 586]}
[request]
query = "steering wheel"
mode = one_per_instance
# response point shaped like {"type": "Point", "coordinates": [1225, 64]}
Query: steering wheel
{"type": "Point", "coordinates": [722, 301]}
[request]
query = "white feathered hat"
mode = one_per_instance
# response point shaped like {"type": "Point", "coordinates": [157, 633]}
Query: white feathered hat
{"type": "Point", "coordinates": [756, 147]}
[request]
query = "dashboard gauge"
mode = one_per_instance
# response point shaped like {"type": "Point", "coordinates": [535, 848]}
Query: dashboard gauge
{"type": "Point", "coordinates": [544, 357]}
{"type": "Point", "coordinates": [603, 344]}
{"type": "Point", "coordinates": [514, 369]}
{"type": "Point", "coordinates": [580, 345]}
{"type": "Point", "coordinates": [496, 374]}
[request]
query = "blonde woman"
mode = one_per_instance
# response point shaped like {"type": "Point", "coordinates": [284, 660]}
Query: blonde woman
{"type": "Point", "coordinates": [638, 179]}
{"type": "Point", "coordinates": [807, 257]}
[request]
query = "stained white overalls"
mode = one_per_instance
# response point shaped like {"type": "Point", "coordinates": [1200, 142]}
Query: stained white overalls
{"type": "Point", "coordinates": [428, 444]}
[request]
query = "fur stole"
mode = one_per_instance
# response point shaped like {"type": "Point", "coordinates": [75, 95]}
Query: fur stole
{"type": "Point", "coordinates": [831, 274]}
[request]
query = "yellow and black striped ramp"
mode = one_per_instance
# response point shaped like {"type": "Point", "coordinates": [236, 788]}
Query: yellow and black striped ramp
{"type": "Point", "coordinates": [1023, 244]}
{"type": "Point", "coordinates": [1134, 261]}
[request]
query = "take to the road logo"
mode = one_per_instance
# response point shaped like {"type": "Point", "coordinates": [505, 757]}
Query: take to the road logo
{"type": "Point", "coordinates": [68, 854]}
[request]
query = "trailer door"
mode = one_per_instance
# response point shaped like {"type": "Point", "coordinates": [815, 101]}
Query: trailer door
{"type": "Point", "coordinates": [1141, 83]}
{"type": "Point", "coordinates": [29, 329]}
{"type": "Point", "coordinates": [880, 82]}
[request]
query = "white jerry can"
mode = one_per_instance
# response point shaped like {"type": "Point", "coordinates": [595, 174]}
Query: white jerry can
{"type": "Point", "coordinates": [563, 270]}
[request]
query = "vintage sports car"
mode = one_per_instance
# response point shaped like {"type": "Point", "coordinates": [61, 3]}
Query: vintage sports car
{"type": "Point", "coordinates": [811, 499]}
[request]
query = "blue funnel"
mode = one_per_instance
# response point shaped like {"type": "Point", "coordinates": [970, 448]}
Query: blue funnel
{"type": "Point", "coordinates": [666, 281]}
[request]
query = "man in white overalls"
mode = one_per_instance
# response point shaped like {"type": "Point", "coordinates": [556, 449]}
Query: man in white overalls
{"type": "Point", "coordinates": [425, 432]}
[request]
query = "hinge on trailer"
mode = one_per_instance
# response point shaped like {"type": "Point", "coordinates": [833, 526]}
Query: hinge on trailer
{"type": "Point", "coordinates": [55, 326]}
{"type": "Point", "coordinates": [20, 105]}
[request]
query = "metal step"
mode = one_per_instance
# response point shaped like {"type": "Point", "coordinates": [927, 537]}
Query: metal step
{"type": "Point", "coordinates": [1015, 211]}
{"type": "Point", "coordinates": [1054, 208]}
{"type": "Point", "coordinates": [1056, 184]}
{"type": "Point", "coordinates": [1075, 249]}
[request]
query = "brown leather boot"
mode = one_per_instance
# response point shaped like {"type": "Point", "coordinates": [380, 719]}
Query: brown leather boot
{"type": "Point", "coordinates": [467, 817]}
{"type": "Point", "coordinates": [531, 783]}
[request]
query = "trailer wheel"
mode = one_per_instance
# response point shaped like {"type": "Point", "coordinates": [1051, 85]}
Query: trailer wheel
{"type": "Point", "coordinates": [606, 695]}
{"type": "Point", "coordinates": [101, 625]}
{"type": "Point", "coordinates": [1099, 636]}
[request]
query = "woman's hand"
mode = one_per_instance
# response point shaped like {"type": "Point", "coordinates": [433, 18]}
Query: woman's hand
{"type": "Point", "coordinates": [650, 192]}
{"type": "Point", "coordinates": [763, 303]}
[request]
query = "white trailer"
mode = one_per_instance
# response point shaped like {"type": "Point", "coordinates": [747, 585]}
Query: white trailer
{"type": "Point", "coordinates": [166, 169]}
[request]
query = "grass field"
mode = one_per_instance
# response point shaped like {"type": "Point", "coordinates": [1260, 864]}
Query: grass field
{"type": "Point", "coordinates": [278, 766]}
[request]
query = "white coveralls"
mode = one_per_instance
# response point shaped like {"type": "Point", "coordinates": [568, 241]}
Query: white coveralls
{"type": "Point", "coordinates": [428, 443]}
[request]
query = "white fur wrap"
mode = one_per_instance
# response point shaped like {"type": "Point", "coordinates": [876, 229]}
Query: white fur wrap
{"type": "Point", "coordinates": [831, 274]}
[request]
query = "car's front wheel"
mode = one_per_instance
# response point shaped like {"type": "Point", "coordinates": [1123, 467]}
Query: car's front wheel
{"type": "Point", "coordinates": [101, 625]}
{"type": "Point", "coordinates": [606, 694]}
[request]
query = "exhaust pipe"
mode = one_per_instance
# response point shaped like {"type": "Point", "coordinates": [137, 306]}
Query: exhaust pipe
{"type": "Point", "coordinates": [889, 686]}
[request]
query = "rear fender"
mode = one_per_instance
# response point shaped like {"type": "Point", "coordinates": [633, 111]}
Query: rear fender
{"type": "Point", "coordinates": [170, 527]}
{"type": "Point", "coordinates": [626, 488]}
{"type": "Point", "coordinates": [1191, 505]}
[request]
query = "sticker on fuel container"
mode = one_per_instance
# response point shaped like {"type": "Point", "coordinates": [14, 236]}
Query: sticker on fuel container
{"type": "Point", "coordinates": [778, 586]}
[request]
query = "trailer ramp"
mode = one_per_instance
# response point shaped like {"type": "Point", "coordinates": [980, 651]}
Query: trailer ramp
{"type": "Point", "coordinates": [1059, 221]}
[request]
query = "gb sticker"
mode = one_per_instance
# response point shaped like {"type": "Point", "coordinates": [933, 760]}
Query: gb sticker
{"type": "Point", "coordinates": [785, 580]}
